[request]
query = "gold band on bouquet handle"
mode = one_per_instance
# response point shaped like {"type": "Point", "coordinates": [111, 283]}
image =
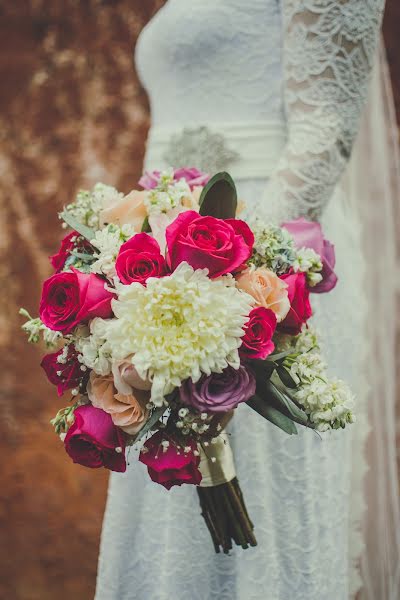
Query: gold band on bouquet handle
{"type": "Point", "coordinates": [216, 462]}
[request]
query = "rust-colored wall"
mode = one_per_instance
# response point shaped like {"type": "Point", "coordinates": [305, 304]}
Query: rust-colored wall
{"type": "Point", "coordinates": [72, 112]}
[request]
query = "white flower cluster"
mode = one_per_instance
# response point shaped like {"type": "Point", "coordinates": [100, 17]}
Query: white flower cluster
{"type": "Point", "coordinates": [273, 248]}
{"type": "Point", "coordinates": [34, 328]}
{"type": "Point", "coordinates": [108, 241]}
{"type": "Point", "coordinates": [92, 346]}
{"type": "Point", "coordinates": [178, 327]}
{"type": "Point", "coordinates": [306, 341]}
{"type": "Point", "coordinates": [309, 262]}
{"type": "Point", "coordinates": [167, 195]}
{"type": "Point", "coordinates": [327, 402]}
{"type": "Point", "coordinates": [88, 204]}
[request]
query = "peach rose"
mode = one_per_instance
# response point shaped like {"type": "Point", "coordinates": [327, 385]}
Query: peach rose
{"type": "Point", "coordinates": [127, 411]}
{"type": "Point", "coordinates": [267, 290]}
{"type": "Point", "coordinates": [130, 210]}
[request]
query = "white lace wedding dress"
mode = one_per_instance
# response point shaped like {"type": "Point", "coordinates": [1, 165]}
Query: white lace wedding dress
{"type": "Point", "coordinates": [272, 91]}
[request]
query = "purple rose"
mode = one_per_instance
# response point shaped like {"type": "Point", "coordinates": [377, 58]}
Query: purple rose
{"type": "Point", "coordinates": [193, 177]}
{"type": "Point", "coordinates": [219, 392]}
{"type": "Point", "coordinates": [308, 234]}
{"type": "Point", "coordinates": [94, 441]}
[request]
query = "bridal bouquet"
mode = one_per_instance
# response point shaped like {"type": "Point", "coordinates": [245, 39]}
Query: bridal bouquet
{"type": "Point", "coordinates": [165, 312]}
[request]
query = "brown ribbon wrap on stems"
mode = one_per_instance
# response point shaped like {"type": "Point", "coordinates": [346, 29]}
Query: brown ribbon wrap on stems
{"type": "Point", "coordinates": [221, 498]}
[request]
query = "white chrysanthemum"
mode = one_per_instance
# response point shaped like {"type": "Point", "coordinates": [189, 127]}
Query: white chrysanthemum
{"type": "Point", "coordinates": [108, 241]}
{"type": "Point", "coordinates": [178, 327]}
{"type": "Point", "coordinates": [93, 349]}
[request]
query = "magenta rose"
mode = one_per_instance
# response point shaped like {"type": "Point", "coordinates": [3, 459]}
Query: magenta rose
{"type": "Point", "coordinates": [308, 234]}
{"type": "Point", "coordinates": [257, 340]}
{"type": "Point", "coordinates": [70, 242]}
{"type": "Point", "coordinates": [72, 297]}
{"type": "Point", "coordinates": [300, 307]}
{"type": "Point", "coordinates": [172, 466]}
{"type": "Point", "coordinates": [66, 375]}
{"type": "Point", "coordinates": [221, 246]}
{"type": "Point", "coordinates": [193, 177]}
{"type": "Point", "coordinates": [94, 441]}
{"type": "Point", "coordinates": [140, 258]}
{"type": "Point", "coordinates": [219, 392]}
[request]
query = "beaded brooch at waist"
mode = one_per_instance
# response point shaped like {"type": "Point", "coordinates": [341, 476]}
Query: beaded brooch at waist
{"type": "Point", "coordinates": [246, 149]}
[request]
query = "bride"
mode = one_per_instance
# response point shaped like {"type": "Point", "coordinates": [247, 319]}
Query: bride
{"type": "Point", "coordinates": [273, 91]}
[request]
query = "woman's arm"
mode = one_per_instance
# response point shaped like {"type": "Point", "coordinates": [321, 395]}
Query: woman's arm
{"type": "Point", "coordinates": [328, 52]}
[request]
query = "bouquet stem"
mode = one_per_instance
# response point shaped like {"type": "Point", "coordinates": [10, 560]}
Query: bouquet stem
{"type": "Point", "coordinates": [225, 514]}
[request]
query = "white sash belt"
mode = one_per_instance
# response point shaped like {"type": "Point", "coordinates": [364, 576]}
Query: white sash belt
{"type": "Point", "coordinates": [246, 150]}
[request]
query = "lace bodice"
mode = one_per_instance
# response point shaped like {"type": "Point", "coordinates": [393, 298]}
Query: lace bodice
{"type": "Point", "coordinates": [206, 61]}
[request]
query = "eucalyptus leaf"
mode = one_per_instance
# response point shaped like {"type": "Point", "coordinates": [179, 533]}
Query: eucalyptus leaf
{"type": "Point", "coordinates": [83, 256]}
{"type": "Point", "coordinates": [84, 231]}
{"type": "Point", "coordinates": [279, 356]}
{"type": "Point", "coordinates": [281, 401]}
{"type": "Point", "coordinates": [155, 416]}
{"type": "Point", "coordinates": [286, 378]}
{"type": "Point", "coordinates": [262, 368]}
{"type": "Point", "coordinates": [219, 197]}
{"type": "Point", "coordinates": [272, 414]}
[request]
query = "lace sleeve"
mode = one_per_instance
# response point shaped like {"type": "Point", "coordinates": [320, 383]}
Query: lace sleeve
{"type": "Point", "coordinates": [329, 48]}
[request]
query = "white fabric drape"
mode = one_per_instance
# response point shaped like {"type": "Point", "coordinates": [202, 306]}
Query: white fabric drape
{"type": "Point", "coordinates": [373, 186]}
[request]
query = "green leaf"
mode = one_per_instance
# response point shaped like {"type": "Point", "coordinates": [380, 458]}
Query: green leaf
{"type": "Point", "coordinates": [155, 416]}
{"type": "Point", "coordinates": [272, 415]}
{"type": "Point", "coordinates": [219, 197]}
{"type": "Point", "coordinates": [85, 231]}
{"type": "Point", "coordinates": [271, 394]}
{"type": "Point", "coordinates": [146, 225]}
{"type": "Point", "coordinates": [280, 356]}
{"type": "Point", "coordinates": [83, 256]}
{"type": "Point", "coordinates": [263, 368]}
{"type": "Point", "coordinates": [286, 378]}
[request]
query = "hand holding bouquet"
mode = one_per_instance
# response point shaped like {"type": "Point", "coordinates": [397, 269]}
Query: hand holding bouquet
{"type": "Point", "coordinates": [166, 312]}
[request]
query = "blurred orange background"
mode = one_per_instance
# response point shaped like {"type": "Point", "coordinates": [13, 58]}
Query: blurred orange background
{"type": "Point", "coordinates": [72, 112]}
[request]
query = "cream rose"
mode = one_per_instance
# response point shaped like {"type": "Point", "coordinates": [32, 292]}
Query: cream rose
{"type": "Point", "coordinates": [127, 411]}
{"type": "Point", "coordinates": [130, 210]}
{"type": "Point", "coordinates": [126, 377]}
{"type": "Point", "coordinates": [267, 289]}
{"type": "Point", "coordinates": [192, 202]}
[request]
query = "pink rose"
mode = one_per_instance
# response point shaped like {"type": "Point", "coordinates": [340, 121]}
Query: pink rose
{"type": "Point", "coordinates": [66, 375]}
{"type": "Point", "coordinates": [174, 466]}
{"type": "Point", "coordinates": [221, 246]}
{"type": "Point", "coordinates": [140, 258]}
{"type": "Point", "coordinates": [300, 307]}
{"type": "Point", "coordinates": [193, 176]}
{"type": "Point", "coordinates": [308, 234]}
{"type": "Point", "coordinates": [257, 340]}
{"type": "Point", "coordinates": [130, 210]}
{"type": "Point", "coordinates": [94, 441]}
{"type": "Point", "coordinates": [72, 297]}
{"type": "Point", "coordinates": [127, 411]}
{"type": "Point", "coordinates": [70, 242]}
